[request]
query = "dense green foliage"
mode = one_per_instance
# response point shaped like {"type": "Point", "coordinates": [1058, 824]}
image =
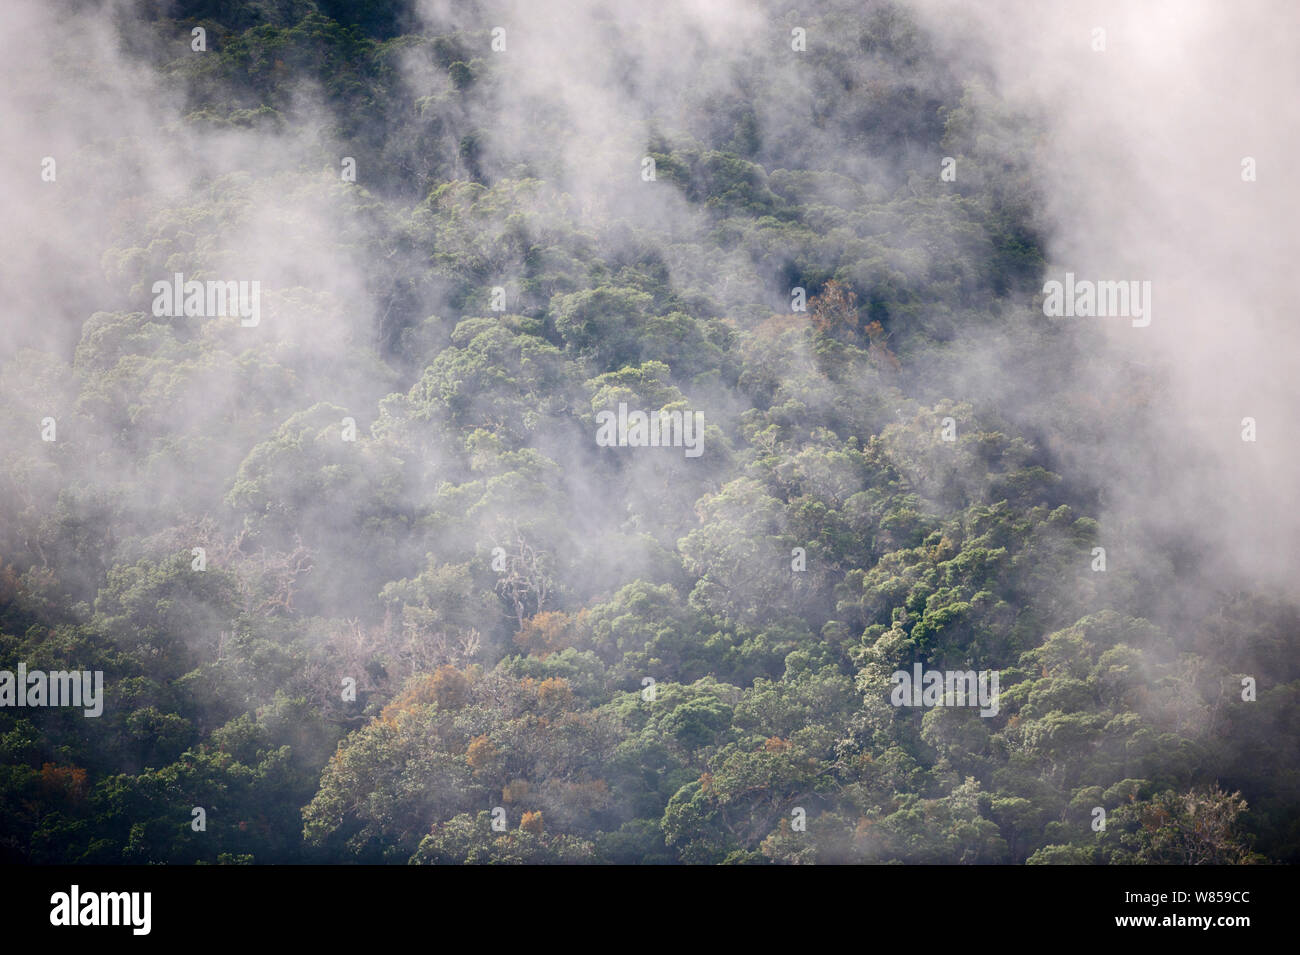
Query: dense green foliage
{"type": "Point", "coordinates": [499, 587]}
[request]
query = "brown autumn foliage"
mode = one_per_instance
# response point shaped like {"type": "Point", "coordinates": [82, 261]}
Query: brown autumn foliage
{"type": "Point", "coordinates": [555, 693]}
{"type": "Point", "coordinates": [551, 631]}
{"type": "Point", "coordinates": [480, 752]}
{"type": "Point", "coordinates": [834, 312]}
{"type": "Point", "coordinates": [66, 781]}
{"type": "Point", "coordinates": [446, 686]}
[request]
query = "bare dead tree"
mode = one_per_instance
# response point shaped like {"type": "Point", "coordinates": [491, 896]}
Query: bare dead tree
{"type": "Point", "coordinates": [283, 570]}
{"type": "Point", "coordinates": [526, 579]}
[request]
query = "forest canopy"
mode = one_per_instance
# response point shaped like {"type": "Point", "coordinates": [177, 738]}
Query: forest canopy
{"type": "Point", "coordinates": [363, 585]}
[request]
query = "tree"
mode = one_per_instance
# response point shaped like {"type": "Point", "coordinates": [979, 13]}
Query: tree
{"type": "Point", "coordinates": [1201, 826]}
{"type": "Point", "coordinates": [834, 312]}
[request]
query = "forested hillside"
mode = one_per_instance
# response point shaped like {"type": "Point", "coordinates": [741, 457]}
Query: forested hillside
{"type": "Point", "coordinates": [360, 577]}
